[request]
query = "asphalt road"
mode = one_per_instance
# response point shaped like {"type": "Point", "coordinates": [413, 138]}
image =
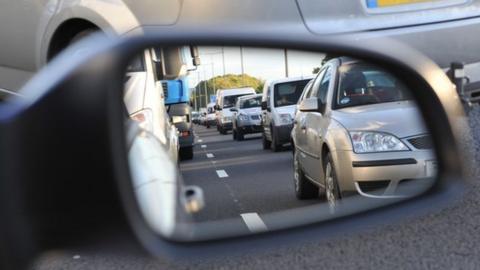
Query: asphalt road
{"type": "Point", "coordinates": [444, 239]}
{"type": "Point", "coordinates": [239, 179]}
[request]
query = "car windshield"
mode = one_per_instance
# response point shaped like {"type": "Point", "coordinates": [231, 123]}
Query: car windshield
{"type": "Point", "coordinates": [251, 103]}
{"type": "Point", "coordinates": [229, 101]}
{"type": "Point", "coordinates": [362, 84]}
{"type": "Point", "coordinates": [288, 93]}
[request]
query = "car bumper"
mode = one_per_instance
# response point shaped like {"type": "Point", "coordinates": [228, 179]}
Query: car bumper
{"type": "Point", "coordinates": [226, 125]}
{"type": "Point", "coordinates": [385, 175]}
{"type": "Point", "coordinates": [211, 122]}
{"type": "Point", "coordinates": [251, 128]}
{"type": "Point", "coordinates": [283, 133]}
{"type": "Point", "coordinates": [186, 141]}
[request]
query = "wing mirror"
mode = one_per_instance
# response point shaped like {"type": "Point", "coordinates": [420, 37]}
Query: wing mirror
{"type": "Point", "coordinates": [84, 109]}
{"type": "Point", "coordinates": [265, 106]}
{"type": "Point", "coordinates": [309, 105]}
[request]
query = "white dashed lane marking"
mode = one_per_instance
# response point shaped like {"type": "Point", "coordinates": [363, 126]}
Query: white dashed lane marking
{"type": "Point", "coordinates": [222, 173]}
{"type": "Point", "coordinates": [254, 223]}
{"type": "Point", "coordinates": [210, 155]}
{"type": "Point", "coordinates": [200, 140]}
{"type": "Point", "coordinates": [204, 146]}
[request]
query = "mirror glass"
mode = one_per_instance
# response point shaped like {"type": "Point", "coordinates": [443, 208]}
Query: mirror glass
{"type": "Point", "coordinates": [336, 136]}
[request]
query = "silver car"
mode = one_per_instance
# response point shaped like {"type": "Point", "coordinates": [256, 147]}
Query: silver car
{"type": "Point", "coordinates": [357, 131]}
{"type": "Point", "coordinates": [247, 116]}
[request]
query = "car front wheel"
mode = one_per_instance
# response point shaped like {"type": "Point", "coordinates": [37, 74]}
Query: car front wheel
{"type": "Point", "coordinates": [332, 191]}
{"type": "Point", "coordinates": [265, 143]}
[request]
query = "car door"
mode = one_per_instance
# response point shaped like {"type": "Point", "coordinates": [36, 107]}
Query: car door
{"type": "Point", "coordinates": [315, 123]}
{"type": "Point", "coordinates": [300, 124]}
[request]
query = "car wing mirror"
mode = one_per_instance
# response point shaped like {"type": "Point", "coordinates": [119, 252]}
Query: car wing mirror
{"type": "Point", "coordinates": [84, 109]}
{"type": "Point", "coordinates": [309, 105]}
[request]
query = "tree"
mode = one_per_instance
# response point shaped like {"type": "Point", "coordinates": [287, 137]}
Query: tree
{"type": "Point", "coordinates": [226, 82]}
{"type": "Point", "coordinates": [316, 70]}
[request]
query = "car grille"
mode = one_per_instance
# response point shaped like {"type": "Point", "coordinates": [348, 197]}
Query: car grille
{"type": "Point", "coordinates": [374, 187]}
{"type": "Point", "coordinates": [422, 142]}
{"type": "Point", "coordinates": [165, 89]}
{"type": "Point", "coordinates": [255, 117]}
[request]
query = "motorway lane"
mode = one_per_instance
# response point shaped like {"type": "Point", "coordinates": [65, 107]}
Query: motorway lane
{"type": "Point", "coordinates": [259, 181]}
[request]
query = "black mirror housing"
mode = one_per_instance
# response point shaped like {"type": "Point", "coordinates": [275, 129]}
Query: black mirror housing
{"type": "Point", "coordinates": [264, 105]}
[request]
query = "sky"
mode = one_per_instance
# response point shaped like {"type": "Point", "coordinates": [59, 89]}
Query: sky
{"type": "Point", "coordinates": [263, 63]}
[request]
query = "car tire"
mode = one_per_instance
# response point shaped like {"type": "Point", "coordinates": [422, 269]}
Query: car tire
{"type": "Point", "coordinates": [304, 189]}
{"type": "Point", "coordinates": [275, 146]}
{"type": "Point", "coordinates": [332, 190]}
{"type": "Point", "coordinates": [240, 135]}
{"type": "Point", "coordinates": [186, 153]}
{"type": "Point", "coordinates": [223, 131]}
{"type": "Point", "coordinates": [266, 144]}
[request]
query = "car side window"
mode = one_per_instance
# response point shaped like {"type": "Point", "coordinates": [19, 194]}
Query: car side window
{"type": "Point", "coordinates": [307, 92]}
{"type": "Point", "coordinates": [324, 83]}
{"type": "Point", "coordinates": [316, 84]}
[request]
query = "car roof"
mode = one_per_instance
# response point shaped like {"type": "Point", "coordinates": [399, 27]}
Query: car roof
{"type": "Point", "coordinates": [250, 96]}
{"type": "Point", "coordinates": [235, 90]}
{"type": "Point", "coordinates": [292, 79]}
{"type": "Point", "coordinates": [344, 60]}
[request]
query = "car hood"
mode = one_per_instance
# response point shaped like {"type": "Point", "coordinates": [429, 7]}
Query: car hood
{"type": "Point", "coordinates": [254, 111]}
{"type": "Point", "coordinates": [286, 109]}
{"type": "Point", "coordinates": [402, 119]}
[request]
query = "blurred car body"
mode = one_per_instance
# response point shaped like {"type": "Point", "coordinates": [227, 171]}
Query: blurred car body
{"type": "Point", "coordinates": [279, 101]}
{"type": "Point", "coordinates": [358, 131]}
{"type": "Point", "coordinates": [144, 102]}
{"type": "Point", "coordinates": [33, 32]}
{"type": "Point", "coordinates": [247, 116]}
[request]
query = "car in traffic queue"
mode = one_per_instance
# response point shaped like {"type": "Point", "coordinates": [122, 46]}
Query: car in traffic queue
{"type": "Point", "coordinates": [210, 116]}
{"type": "Point", "coordinates": [226, 99]}
{"type": "Point", "coordinates": [145, 102]}
{"type": "Point", "coordinates": [247, 116]}
{"type": "Point", "coordinates": [359, 131]}
{"type": "Point", "coordinates": [196, 117]}
{"type": "Point", "coordinates": [279, 101]}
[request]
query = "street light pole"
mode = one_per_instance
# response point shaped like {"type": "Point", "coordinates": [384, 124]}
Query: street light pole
{"type": "Point", "coordinates": [223, 60]}
{"type": "Point", "coordinates": [241, 62]}
{"type": "Point", "coordinates": [286, 62]}
{"type": "Point", "coordinates": [205, 86]}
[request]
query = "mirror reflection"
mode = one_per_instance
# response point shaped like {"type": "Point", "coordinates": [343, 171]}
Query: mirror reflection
{"type": "Point", "coordinates": [225, 141]}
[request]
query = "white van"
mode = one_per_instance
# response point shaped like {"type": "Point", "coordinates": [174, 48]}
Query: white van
{"type": "Point", "coordinates": [279, 101]}
{"type": "Point", "coordinates": [226, 99]}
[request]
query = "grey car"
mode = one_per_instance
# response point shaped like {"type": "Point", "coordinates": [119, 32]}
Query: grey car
{"type": "Point", "coordinates": [357, 131]}
{"type": "Point", "coordinates": [247, 116]}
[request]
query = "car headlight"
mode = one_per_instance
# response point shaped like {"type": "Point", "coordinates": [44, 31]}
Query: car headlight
{"type": "Point", "coordinates": [370, 142]}
{"type": "Point", "coordinates": [242, 117]}
{"type": "Point", "coordinates": [226, 119]}
{"type": "Point", "coordinates": [285, 118]}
